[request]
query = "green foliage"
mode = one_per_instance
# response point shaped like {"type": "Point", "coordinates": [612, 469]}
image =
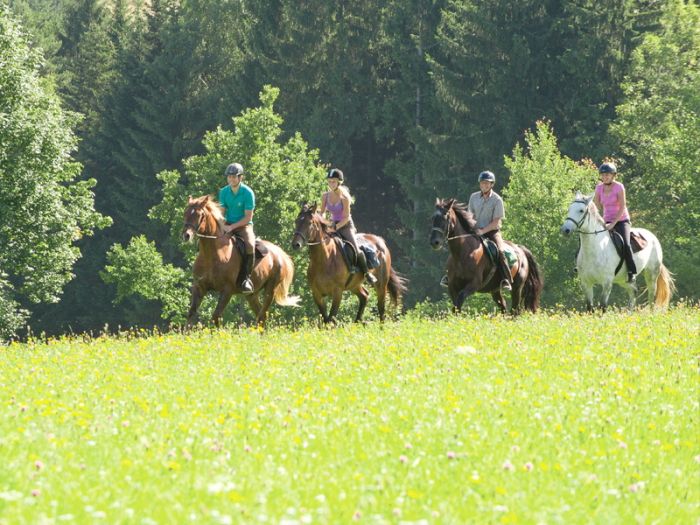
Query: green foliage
{"type": "Point", "coordinates": [138, 269]}
{"type": "Point", "coordinates": [658, 128]}
{"type": "Point", "coordinates": [44, 208]}
{"type": "Point", "coordinates": [541, 186]}
{"type": "Point", "coordinates": [282, 174]}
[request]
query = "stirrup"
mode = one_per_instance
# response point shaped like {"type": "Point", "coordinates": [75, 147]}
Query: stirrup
{"type": "Point", "coordinates": [632, 278]}
{"type": "Point", "coordinates": [506, 285]}
{"type": "Point", "coordinates": [370, 278]}
{"type": "Point", "coordinates": [247, 286]}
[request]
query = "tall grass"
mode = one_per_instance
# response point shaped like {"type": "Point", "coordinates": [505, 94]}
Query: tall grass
{"type": "Point", "coordinates": [542, 419]}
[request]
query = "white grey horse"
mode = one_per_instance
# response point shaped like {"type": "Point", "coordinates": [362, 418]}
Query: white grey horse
{"type": "Point", "coordinates": [597, 259]}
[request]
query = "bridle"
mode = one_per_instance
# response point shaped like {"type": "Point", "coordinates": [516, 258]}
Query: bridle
{"type": "Point", "coordinates": [195, 229]}
{"type": "Point", "coordinates": [446, 230]}
{"type": "Point", "coordinates": [579, 223]}
{"type": "Point", "coordinates": [308, 242]}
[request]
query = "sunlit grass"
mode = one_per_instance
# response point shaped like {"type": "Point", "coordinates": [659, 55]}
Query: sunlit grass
{"type": "Point", "coordinates": [545, 419]}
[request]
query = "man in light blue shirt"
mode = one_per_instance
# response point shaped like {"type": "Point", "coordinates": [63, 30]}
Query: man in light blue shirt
{"type": "Point", "coordinates": [238, 201]}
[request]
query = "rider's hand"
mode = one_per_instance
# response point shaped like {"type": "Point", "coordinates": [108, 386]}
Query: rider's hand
{"type": "Point", "coordinates": [609, 226]}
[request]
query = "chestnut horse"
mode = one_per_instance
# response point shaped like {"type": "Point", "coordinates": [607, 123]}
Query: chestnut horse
{"type": "Point", "coordinates": [218, 263]}
{"type": "Point", "coordinates": [469, 267]}
{"type": "Point", "coordinates": [328, 272]}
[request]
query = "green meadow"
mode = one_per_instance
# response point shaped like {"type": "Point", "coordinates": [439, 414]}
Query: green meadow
{"type": "Point", "coordinates": [554, 418]}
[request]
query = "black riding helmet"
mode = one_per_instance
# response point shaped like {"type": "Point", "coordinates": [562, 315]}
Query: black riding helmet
{"type": "Point", "coordinates": [607, 167]}
{"type": "Point", "coordinates": [234, 169]}
{"type": "Point", "coordinates": [487, 176]}
{"type": "Point", "coordinates": [335, 173]}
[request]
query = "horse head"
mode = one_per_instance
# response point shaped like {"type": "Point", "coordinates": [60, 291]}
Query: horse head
{"type": "Point", "coordinates": [441, 222]}
{"type": "Point", "coordinates": [201, 218]}
{"type": "Point", "coordinates": [578, 211]}
{"type": "Point", "coordinates": [306, 225]}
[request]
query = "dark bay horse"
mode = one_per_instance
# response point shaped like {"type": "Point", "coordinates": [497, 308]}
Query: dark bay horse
{"type": "Point", "coordinates": [218, 263]}
{"type": "Point", "coordinates": [328, 273]}
{"type": "Point", "coordinates": [469, 267]}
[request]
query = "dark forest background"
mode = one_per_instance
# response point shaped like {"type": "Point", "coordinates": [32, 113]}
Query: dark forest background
{"type": "Point", "coordinates": [410, 98]}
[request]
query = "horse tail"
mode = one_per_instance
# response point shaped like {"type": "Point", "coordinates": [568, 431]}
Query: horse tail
{"type": "Point", "coordinates": [286, 275]}
{"type": "Point", "coordinates": [534, 283]}
{"type": "Point", "coordinates": [397, 286]}
{"type": "Point", "coordinates": [665, 287]}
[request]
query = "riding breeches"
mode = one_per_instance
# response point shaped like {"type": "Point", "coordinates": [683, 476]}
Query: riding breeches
{"type": "Point", "coordinates": [624, 228]}
{"type": "Point", "coordinates": [349, 233]}
{"type": "Point", "coordinates": [248, 236]}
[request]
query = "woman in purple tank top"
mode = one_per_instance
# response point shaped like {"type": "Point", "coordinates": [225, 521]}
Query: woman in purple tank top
{"type": "Point", "coordinates": [610, 196]}
{"type": "Point", "coordinates": [337, 202]}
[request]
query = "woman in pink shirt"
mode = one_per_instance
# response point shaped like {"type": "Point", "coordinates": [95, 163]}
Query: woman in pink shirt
{"type": "Point", "coordinates": [610, 196]}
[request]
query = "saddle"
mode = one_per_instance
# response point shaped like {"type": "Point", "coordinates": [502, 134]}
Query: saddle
{"type": "Point", "coordinates": [260, 249]}
{"type": "Point", "coordinates": [350, 257]}
{"type": "Point", "coordinates": [637, 243]}
{"type": "Point", "coordinates": [492, 251]}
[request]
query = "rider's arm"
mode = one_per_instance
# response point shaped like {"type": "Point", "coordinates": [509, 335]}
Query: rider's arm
{"type": "Point", "coordinates": [493, 225]}
{"type": "Point", "coordinates": [245, 220]}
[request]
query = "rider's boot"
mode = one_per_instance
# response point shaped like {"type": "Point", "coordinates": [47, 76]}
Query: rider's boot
{"type": "Point", "coordinates": [362, 263]}
{"type": "Point", "coordinates": [248, 264]}
{"type": "Point", "coordinates": [505, 272]}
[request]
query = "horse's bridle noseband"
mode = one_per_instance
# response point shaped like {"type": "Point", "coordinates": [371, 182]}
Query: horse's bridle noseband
{"type": "Point", "coordinates": [579, 223]}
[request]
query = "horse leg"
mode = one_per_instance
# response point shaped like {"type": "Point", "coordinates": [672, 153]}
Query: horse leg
{"type": "Point", "coordinates": [459, 299]}
{"type": "Point", "coordinates": [254, 303]}
{"type": "Point", "coordinates": [588, 290]}
{"type": "Point", "coordinates": [335, 304]}
{"type": "Point", "coordinates": [224, 298]}
{"type": "Point", "coordinates": [516, 297]}
{"type": "Point", "coordinates": [499, 300]}
{"type": "Point", "coordinates": [195, 300]}
{"type": "Point", "coordinates": [605, 294]}
{"type": "Point", "coordinates": [381, 300]}
{"type": "Point", "coordinates": [269, 292]}
{"type": "Point", "coordinates": [320, 301]}
{"type": "Point", "coordinates": [362, 296]}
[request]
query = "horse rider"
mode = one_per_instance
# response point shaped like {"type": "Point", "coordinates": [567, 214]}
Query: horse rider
{"type": "Point", "coordinates": [487, 207]}
{"type": "Point", "coordinates": [337, 201]}
{"type": "Point", "coordinates": [238, 201]}
{"type": "Point", "coordinates": [610, 196]}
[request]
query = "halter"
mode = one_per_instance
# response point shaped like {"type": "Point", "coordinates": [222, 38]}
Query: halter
{"type": "Point", "coordinates": [579, 223]}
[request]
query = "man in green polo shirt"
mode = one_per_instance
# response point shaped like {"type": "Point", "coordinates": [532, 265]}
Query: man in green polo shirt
{"type": "Point", "coordinates": [238, 201]}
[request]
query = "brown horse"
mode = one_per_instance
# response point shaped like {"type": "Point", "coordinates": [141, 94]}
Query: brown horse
{"type": "Point", "coordinates": [328, 272]}
{"type": "Point", "coordinates": [469, 267]}
{"type": "Point", "coordinates": [218, 263]}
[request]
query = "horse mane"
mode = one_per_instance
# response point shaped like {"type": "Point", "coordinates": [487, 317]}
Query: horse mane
{"type": "Point", "coordinates": [464, 216]}
{"type": "Point", "coordinates": [212, 208]}
{"type": "Point", "coordinates": [595, 214]}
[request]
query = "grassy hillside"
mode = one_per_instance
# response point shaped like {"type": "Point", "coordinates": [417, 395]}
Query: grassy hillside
{"type": "Point", "coordinates": [549, 419]}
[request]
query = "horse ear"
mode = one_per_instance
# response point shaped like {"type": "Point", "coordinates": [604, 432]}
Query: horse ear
{"type": "Point", "coordinates": [313, 207]}
{"type": "Point", "coordinates": [206, 198]}
{"type": "Point", "coordinates": [189, 199]}
{"type": "Point", "coordinates": [450, 203]}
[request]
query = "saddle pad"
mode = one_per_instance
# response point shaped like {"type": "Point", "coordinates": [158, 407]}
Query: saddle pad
{"type": "Point", "coordinates": [492, 249]}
